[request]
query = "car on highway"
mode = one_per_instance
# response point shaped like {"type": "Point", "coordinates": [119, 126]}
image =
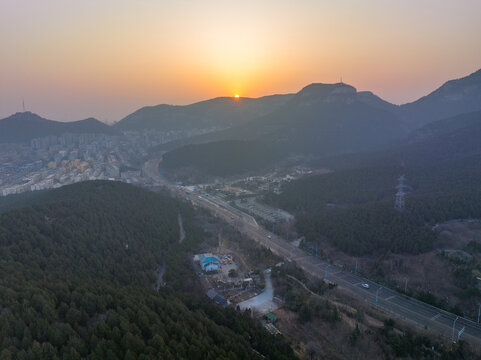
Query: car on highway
{"type": "Point", "coordinates": [365, 285]}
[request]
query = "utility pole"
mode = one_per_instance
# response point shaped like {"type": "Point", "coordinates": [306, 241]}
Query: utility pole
{"type": "Point", "coordinates": [479, 312]}
{"type": "Point", "coordinates": [454, 325]}
{"type": "Point", "coordinates": [406, 285]}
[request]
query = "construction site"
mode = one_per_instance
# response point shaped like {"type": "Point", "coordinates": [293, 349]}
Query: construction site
{"type": "Point", "coordinates": [229, 282]}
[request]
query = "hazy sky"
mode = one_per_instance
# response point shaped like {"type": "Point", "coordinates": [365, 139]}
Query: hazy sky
{"type": "Point", "coordinates": [106, 58]}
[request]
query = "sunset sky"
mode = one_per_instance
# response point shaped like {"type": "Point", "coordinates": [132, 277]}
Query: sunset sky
{"type": "Point", "coordinates": [106, 58]}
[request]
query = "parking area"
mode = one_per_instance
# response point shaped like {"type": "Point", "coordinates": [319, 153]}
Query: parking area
{"type": "Point", "coordinates": [264, 302]}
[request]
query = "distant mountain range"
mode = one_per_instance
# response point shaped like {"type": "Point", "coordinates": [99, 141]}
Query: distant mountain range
{"type": "Point", "coordinates": [25, 126]}
{"type": "Point", "coordinates": [453, 98]}
{"type": "Point", "coordinates": [329, 119]}
{"type": "Point", "coordinates": [219, 113]}
{"type": "Point", "coordinates": [321, 119]}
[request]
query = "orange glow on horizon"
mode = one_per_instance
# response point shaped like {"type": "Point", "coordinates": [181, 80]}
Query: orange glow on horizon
{"type": "Point", "coordinates": [387, 47]}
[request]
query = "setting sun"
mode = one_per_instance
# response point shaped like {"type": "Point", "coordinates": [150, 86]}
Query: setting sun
{"type": "Point", "coordinates": [236, 96]}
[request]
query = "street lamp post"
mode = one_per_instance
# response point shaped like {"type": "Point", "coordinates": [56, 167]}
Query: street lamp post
{"type": "Point", "coordinates": [454, 325]}
{"type": "Point", "coordinates": [377, 292]}
{"type": "Point", "coordinates": [479, 312]}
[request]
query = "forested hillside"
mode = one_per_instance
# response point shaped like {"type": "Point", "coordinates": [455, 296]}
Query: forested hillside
{"type": "Point", "coordinates": [454, 97]}
{"type": "Point", "coordinates": [450, 139]}
{"type": "Point", "coordinates": [320, 120]}
{"type": "Point", "coordinates": [224, 158]}
{"type": "Point", "coordinates": [76, 272]}
{"type": "Point", "coordinates": [23, 127]}
{"type": "Point", "coordinates": [353, 206]}
{"type": "Point", "coordinates": [354, 209]}
{"type": "Point", "coordinates": [217, 113]}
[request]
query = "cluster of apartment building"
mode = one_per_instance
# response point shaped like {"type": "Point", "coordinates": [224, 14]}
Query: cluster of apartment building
{"type": "Point", "coordinates": [54, 161]}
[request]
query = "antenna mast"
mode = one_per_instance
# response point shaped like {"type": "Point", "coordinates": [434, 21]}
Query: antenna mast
{"type": "Point", "coordinates": [23, 105]}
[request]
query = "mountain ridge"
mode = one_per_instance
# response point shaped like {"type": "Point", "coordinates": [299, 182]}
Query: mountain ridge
{"type": "Point", "coordinates": [216, 116]}
{"type": "Point", "coordinates": [454, 97]}
{"type": "Point", "coordinates": [25, 126]}
{"type": "Point", "coordinates": [219, 112]}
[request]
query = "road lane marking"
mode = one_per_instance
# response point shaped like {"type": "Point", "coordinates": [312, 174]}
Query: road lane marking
{"type": "Point", "coordinates": [410, 311]}
{"type": "Point", "coordinates": [390, 298]}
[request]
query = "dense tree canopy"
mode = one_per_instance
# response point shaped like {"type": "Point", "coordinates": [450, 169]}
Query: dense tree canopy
{"type": "Point", "coordinates": [224, 158]}
{"type": "Point", "coordinates": [354, 209]}
{"type": "Point", "coordinates": [70, 287]}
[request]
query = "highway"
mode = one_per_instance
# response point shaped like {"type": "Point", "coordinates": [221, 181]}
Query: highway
{"type": "Point", "coordinates": [388, 301]}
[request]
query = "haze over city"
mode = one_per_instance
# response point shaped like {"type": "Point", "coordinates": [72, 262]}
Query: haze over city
{"type": "Point", "coordinates": [72, 60]}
